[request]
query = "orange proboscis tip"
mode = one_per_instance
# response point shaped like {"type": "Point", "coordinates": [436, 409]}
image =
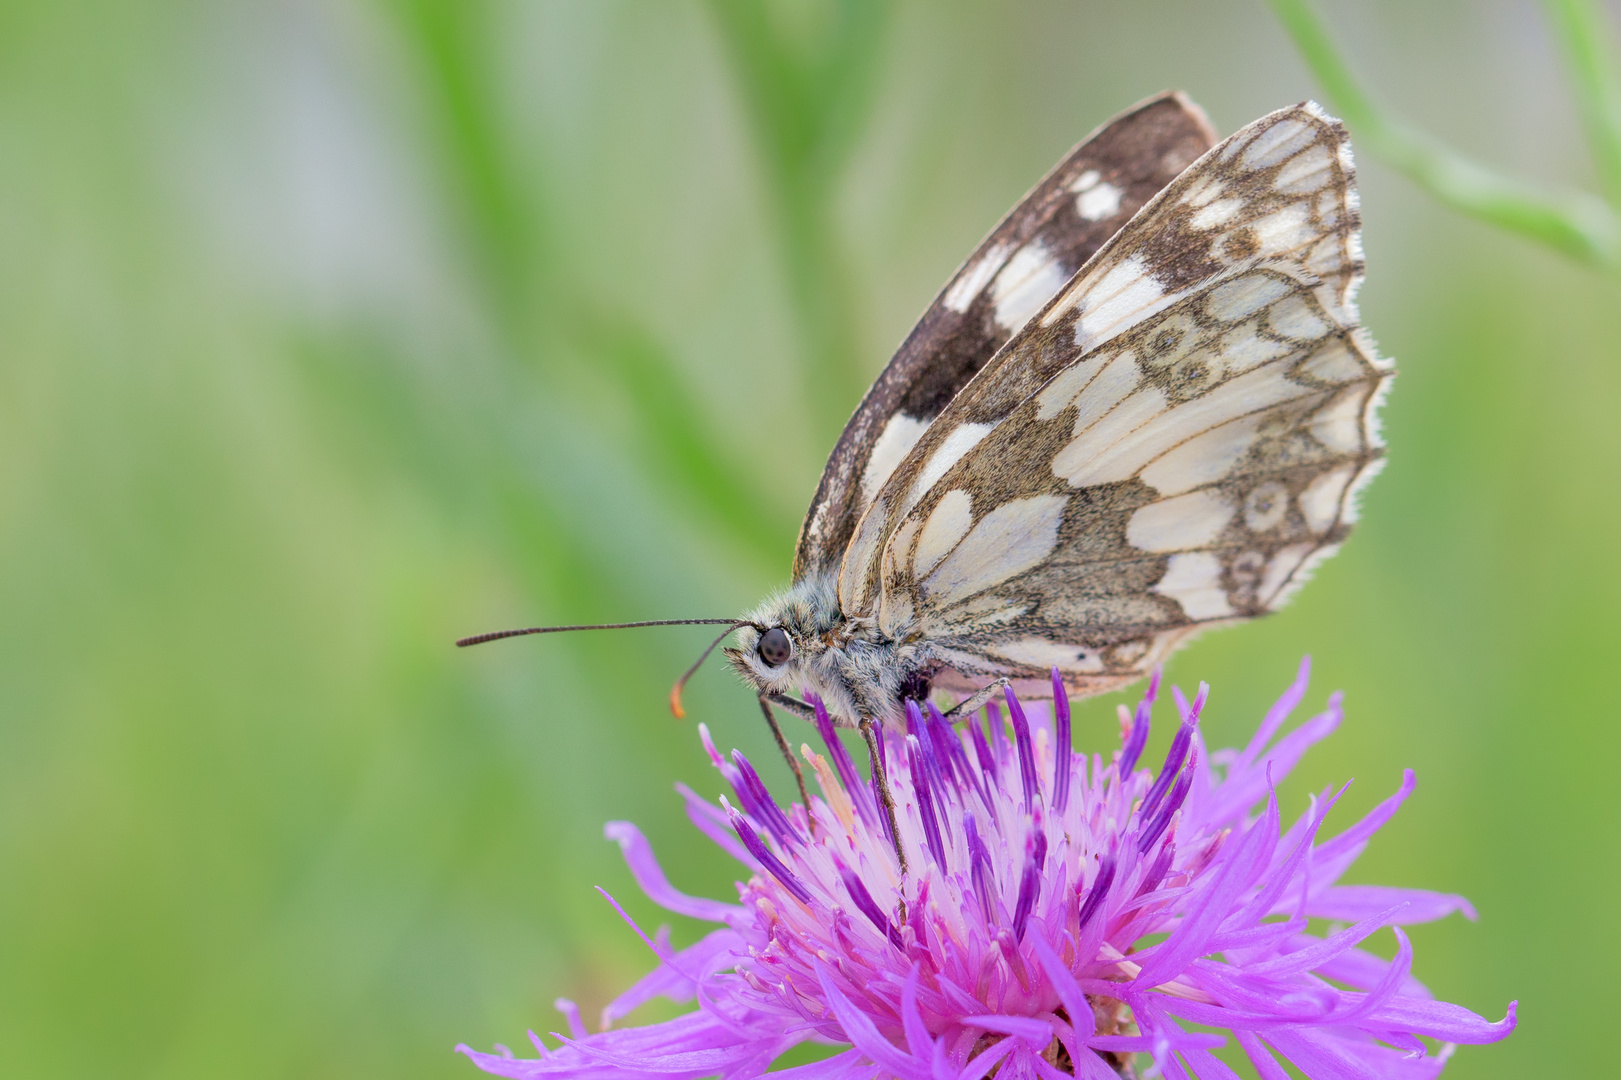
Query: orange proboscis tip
{"type": "Point", "coordinates": [675, 691]}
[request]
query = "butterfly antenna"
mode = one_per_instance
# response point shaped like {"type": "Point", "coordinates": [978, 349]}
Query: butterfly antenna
{"type": "Point", "coordinates": [497, 635]}
{"type": "Point", "coordinates": [675, 691]}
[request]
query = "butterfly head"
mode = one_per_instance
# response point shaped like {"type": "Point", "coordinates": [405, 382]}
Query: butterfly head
{"type": "Point", "coordinates": [791, 643]}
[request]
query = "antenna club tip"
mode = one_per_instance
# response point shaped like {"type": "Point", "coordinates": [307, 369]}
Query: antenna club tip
{"type": "Point", "coordinates": [675, 703]}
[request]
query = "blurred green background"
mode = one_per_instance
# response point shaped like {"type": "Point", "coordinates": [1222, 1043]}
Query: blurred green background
{"type": "Point", "coordinates": [330, 331]}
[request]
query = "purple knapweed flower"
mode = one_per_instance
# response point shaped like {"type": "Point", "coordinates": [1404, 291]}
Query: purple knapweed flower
{"type": "Point", "coordinates": [1063, 916]}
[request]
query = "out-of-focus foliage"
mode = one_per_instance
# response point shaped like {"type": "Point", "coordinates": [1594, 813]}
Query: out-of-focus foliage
{"type": "Point", "coordinates": [332, 331]}
{"type": "Point", "coordinates": [1580, 225]}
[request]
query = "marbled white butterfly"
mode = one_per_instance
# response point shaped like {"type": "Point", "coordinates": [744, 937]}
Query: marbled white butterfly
{"type": "Point", "coordinates": [1143, 407]}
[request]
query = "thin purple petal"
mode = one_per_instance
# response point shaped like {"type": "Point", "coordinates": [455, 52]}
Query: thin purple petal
{"type": "Point", "coordinates": [863, 1033]}
{"type": "Point", "coordinates": [774, 865]}
{"type": "Point", "coordinates": [1140, 725]}
{"type": "Point", "coordinates": [1174, 759]}
{"type": "Point", "coordinates": [1027, 754]}
{"type": "Point", "coordinates": [766, 811]}
{"type": "Point", "coordinates": [1173, 803]}
{"type": "Point", "coordinates": [853, 784]}
{"type": "Point", "coordinates": [1029, 885]}
{"type": "Point", "coordinates": [650, 876]}
{"type": "Point", "coordinates": [1100, 888]}
{"type": "Point", "coordinates": [1062, 748]}
{"type": "Point", "coordinates": [867, 905]}
{"type": "Point", "coordinates": [979, 860]}
{"type": "Point", "coordinates": [1346, 902]}
{"type": "Point", "coordinates": [925, 803]}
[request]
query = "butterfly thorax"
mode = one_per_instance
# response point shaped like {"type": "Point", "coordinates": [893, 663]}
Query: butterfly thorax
{"type": "Point", "coordinates": [853, 667]}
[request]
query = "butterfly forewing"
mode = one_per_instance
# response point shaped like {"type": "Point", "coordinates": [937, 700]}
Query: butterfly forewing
{"type": "Point", "coordinates": [1013, 274]}
{"type": "Point", "coordinates": [1170, 443]}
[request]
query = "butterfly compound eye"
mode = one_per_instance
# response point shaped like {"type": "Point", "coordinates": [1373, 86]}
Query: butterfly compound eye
{"type": "Point", "coordinates": [775, 648]}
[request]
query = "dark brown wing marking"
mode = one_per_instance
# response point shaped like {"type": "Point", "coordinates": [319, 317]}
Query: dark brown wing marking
{"type": "Point", "coordinates": [1009, 277]}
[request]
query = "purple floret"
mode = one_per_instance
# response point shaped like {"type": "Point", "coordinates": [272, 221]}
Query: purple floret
{"type": "Point", "coordinates": [1062, 917]}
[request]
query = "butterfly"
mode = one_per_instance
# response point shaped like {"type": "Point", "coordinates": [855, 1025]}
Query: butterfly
{"type": "Point", "coordinates": [1143, 407]}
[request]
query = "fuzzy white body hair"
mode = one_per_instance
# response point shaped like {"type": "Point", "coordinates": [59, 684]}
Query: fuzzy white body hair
{"type": "Point", "coordinates": [856, 671]}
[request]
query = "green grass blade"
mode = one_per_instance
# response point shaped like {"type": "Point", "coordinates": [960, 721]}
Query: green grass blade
{"type": "Point", "coordinates": [1588, 42]}
{"type": "Point", "coordinates": [1573, 223]}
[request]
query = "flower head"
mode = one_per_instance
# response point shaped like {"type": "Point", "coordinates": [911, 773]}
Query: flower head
{"type": "Point", "coordinates": [1063, 916]}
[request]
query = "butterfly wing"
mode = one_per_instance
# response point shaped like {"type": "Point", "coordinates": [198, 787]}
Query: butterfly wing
{"type": "Point", "coordinates": [1171, 443]}
{"type": "Point", "coordinates": [1009, 277]}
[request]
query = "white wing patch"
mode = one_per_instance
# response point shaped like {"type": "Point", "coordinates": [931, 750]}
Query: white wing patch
{"type": "Point", "coordinates": [1105, 450]}
{"type": "Point", "coordinates": [1095, 197]}
{"type": "Point", "coordinates": [1339, 425]}
{"type": "Point", "coordinates": [854, 582]}
{"type": "Point", "coordinates": [1039, 652]}
{"type": "Point", "coordinates": [1193, 579]}
{"type": "Point", "coordinates": [1284, 564]}
{"type": "Point", "coordinates": [900, 434]}
{"type": "Point", "coordinates": [1293, 318]}
{"type": "Point", "coordinates": [1203, 459]}
{"type": "Point", "coordinates": [961, 295]}
{"type": "Point", "coordinates": [955, 447]}
{"type": "Point", "coordinates": [1094, 387]}
{"type": "Point", "coordinates": [952, 518]}
{"type": "Point", "coordinates": [1305, 172]}
{"type": "Point", "coordinates": [1277, 144]}
{"type": "Point", "coordinates": [1233, 300]}
{"type": "Point", "coordinates": [1007, 541]}
{"type": "Point", "coordinates": [1186, 521]}
{"type": "Point", "coordinates": [1321, 501]}
{"type": "Point", "coordinates": [1026, 283]}
{"type": "Point", "coordinates": [1217, 213]}
{"type": "Point", "coordinates": [1125, 296]}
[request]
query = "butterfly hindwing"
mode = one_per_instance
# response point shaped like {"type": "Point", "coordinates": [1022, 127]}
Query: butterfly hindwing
{"type": "Point", "coordinates": [1170, 443]}
{"type": "Point", "coordinates": [1018, 268]}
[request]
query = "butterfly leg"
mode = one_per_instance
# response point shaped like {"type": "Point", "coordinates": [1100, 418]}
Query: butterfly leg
{"type": "Point", "coordinates": [788, 756]}
{"type": "Point", "coordinates": [977, 702]}
{"type": "Point", "coordinates": [869, 731]}
{"type": "Point", "coordinates": [793, 705]}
